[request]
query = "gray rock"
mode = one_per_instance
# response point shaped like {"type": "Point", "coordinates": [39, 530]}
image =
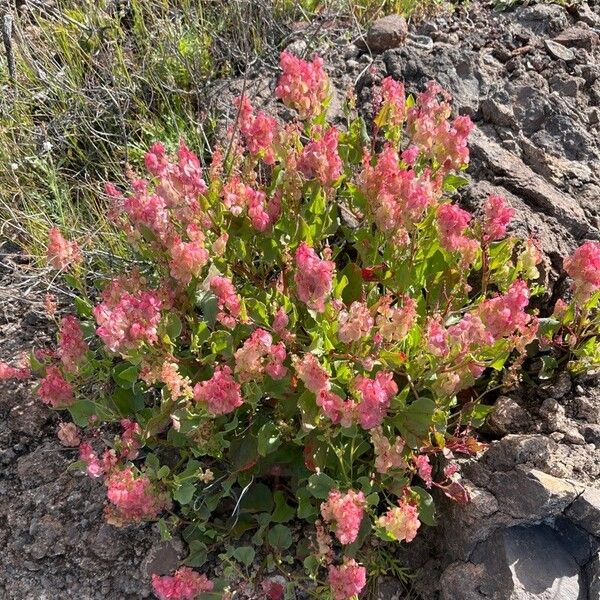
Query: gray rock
{"type": "Point", "coordinates": [464, 581]}
{"type": "Point", "coordinates": [567, 86]}
{"type": "Point", "coordinates": [163, 557]}
{"type": "Point", "coordinates": [591, 434]}
{"type": "Point", "coordinates": [578, 37]}
{"type": "Point", "coordinates": [530, 494]}
{"type": "Point", "coordinates": [585, 511]}
{"type": "Point", "coordinates": [508, 417]}
{"type": "Point", "coordinates": [525, 563]}
{"type": "Point", "coordinates": [588, 409]}
{"type": "Point", "coordinates": [514, 175]}
{"type": "Point", "coordinates": [587, 15]}
{"type": "Point", "coordinates": [386, 33]}
{"type": "Point", "coordinates": [559, 51]}
{"type": "Point", "coordinates": [543, 19]}
{"type": "Point", "coordinates": [592, 575]}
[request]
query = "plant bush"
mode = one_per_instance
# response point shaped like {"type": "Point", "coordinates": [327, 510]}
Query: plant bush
{"type": "Point", "coordinates": [308, 332]}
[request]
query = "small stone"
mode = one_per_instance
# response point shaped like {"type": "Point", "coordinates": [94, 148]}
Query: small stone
{"type": "Point", "coordinates": [387, 32]}
{"type": "Point", "coordinates": [297, 47]}
{"type": "Point", "coordinates": [163, 557]}
{"type": "Point", "coordinates": [587, 15]}
{"type": "Point", "coordinates": [587, 409]}
{"type": "Point", "coordinates": [559, 51]}
{"type": "Point", "coordinates": [591, 434]}
{"type": "Point", "coordinates": [585, 511]}
{"type": "Point", "coordinates": [578, 37]}
{"type": "Point", "coordinates": [508, 417]}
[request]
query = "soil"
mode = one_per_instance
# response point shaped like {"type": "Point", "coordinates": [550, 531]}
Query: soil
{"type": "Point", "coordinates": [530, 79]}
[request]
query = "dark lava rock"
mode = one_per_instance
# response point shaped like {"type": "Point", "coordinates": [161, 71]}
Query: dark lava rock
{"type": "Point", "coordinates": [387, 32]}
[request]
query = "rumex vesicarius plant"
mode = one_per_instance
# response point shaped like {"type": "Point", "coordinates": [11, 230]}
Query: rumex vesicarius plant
{"type": "Point", "coordinates": [308, 331]}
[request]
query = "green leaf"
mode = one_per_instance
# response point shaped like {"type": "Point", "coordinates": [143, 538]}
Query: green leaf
{"type": "Point", "coordinates": [549, 365]}
{"type": "Point", "coordinates": [208, 304]}
{"type": "Point", "coordinates": [453, 182]}
{"type": "Point", "coordinates": [257, 311]}
{"type": "Point", "coordinates": [306, 508]}
{"type": "Point", "coordinates": [353, 290]}
{"type": "Point", "coordinates": [319, 485]}
{"type": "Point", "coordinates": [198, 554]}
{"type": "Point", "coordinates": [221, 342]}
{"type": "Point", "coordinates": [163, 528]}
{"type": "Point", "coordinates": [280, 537]}
{"type": "Point", "coordinates": [479, 413]}
{"type": "Point", "coordinates": [184, 493]}
{"type": "Point", "coordinates": [244, 554]}
{"type": "Point", "coordinates": [82, 410]}
{"type": "Point", "coordinates": [268, 438]}
{"type": "Point", "coordinates": [83, 308]}
{"type": "Point", "coordinates": [173, 326]}
{"type": "Point", "coordinates": [258, 499]}
{"type": "Point", "coordinates": [426, 506]}
{"type": "Point", "coordinates": [413, 422]}
{"type": "Point", "coordinates": [127, 402]}
{"type": "Point", "coordinates": [283, 511]}
{"type": "Point", "coordinates": [163, 472]}
{"type": "Point", "coordinates": [125, 375]}
{"type": "Point", "coordinates": [243, 452]}
{"type": "Point", "coordinates": [200, 334]}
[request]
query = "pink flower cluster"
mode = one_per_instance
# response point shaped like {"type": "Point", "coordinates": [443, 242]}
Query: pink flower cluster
{"type": "Point", "coordinates": [187, 259]}
{"type": "Point", "coordinates": [133, 497]}
{"type": "Point", "coordinates": [228, 300]}
{"type": "Point", "coordinates": [96, 467]}
{"type": "Point", "coordinates": [497, 217]}
{"type": "Point", "coordinates": [72, 347]}
{"type": "Point", "coordinates": [387, 455]}
{"type": "Point", "coordinates": [9, 372]}
{"type": "Point", "coordinates": [54, 389]}
{"type": "Point", "coordinates": [126, 321]}
{"type": "Point", "coordinates": [347, 580]}
{"type": "Point", "coordinates": [376, 395]}
{"type": "Point", "coordinates": [185, 584]}
{"type": "Point", "coordinates": [584, 269]}
{"type": "Point", "coordinates": [401, 522]}
{"type": "Point", "coordinates": [311, 373]}
{"type": "Point", "coordinates": [344, 513]}
{"type": "Point", "coordinates": [179, 183]}
{"type": "Point", "coordinates": [320, 159]}
{"type": "Point", "coordinates": [130, 441]}
{"type": "Point", "coordinates": [504, 315]}
{"type": "Point", "coordinates": [221, 392]}
{"type": "Point", "coordinates": [397, 197]}
{"type": "Point", "coordinates": [61, 253]}
{"type": "Point", "coordinates": [259, 130]}
{"type": "Point", "coordinates": [424, 469]}
{"type": "Point", "coordinates": [303, 85]}
{"type": "Point", "coordinates": [339, 411]}
{"type": "Point", "coordinates": [355, 323]}
{"type": "Point", "coordinates": [68, 435]}
{"type": "Point", "coordinates": [393, 109]}
{"type": "Point", "coordinates": [452, 223]}
{"type": "Point", "coordinates": [394, 322]}
{"type": "Point", "coordinates": [238, 196]}
{"type": "Point", "coordinates": [174, 381]}
{"type": "Point", "coordinates": [258, 356]}
{"type": "Point", "coordinates": [430, 129]}
{"type": "Point", "coordinates": [313, 277]}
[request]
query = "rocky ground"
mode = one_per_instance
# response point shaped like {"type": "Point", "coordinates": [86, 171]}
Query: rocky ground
{"type": "Point", "coordinates": [530, 79]}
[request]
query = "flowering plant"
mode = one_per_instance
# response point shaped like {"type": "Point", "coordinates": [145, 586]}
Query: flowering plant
{"type": "Point", "coordinates": [308, 332]}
